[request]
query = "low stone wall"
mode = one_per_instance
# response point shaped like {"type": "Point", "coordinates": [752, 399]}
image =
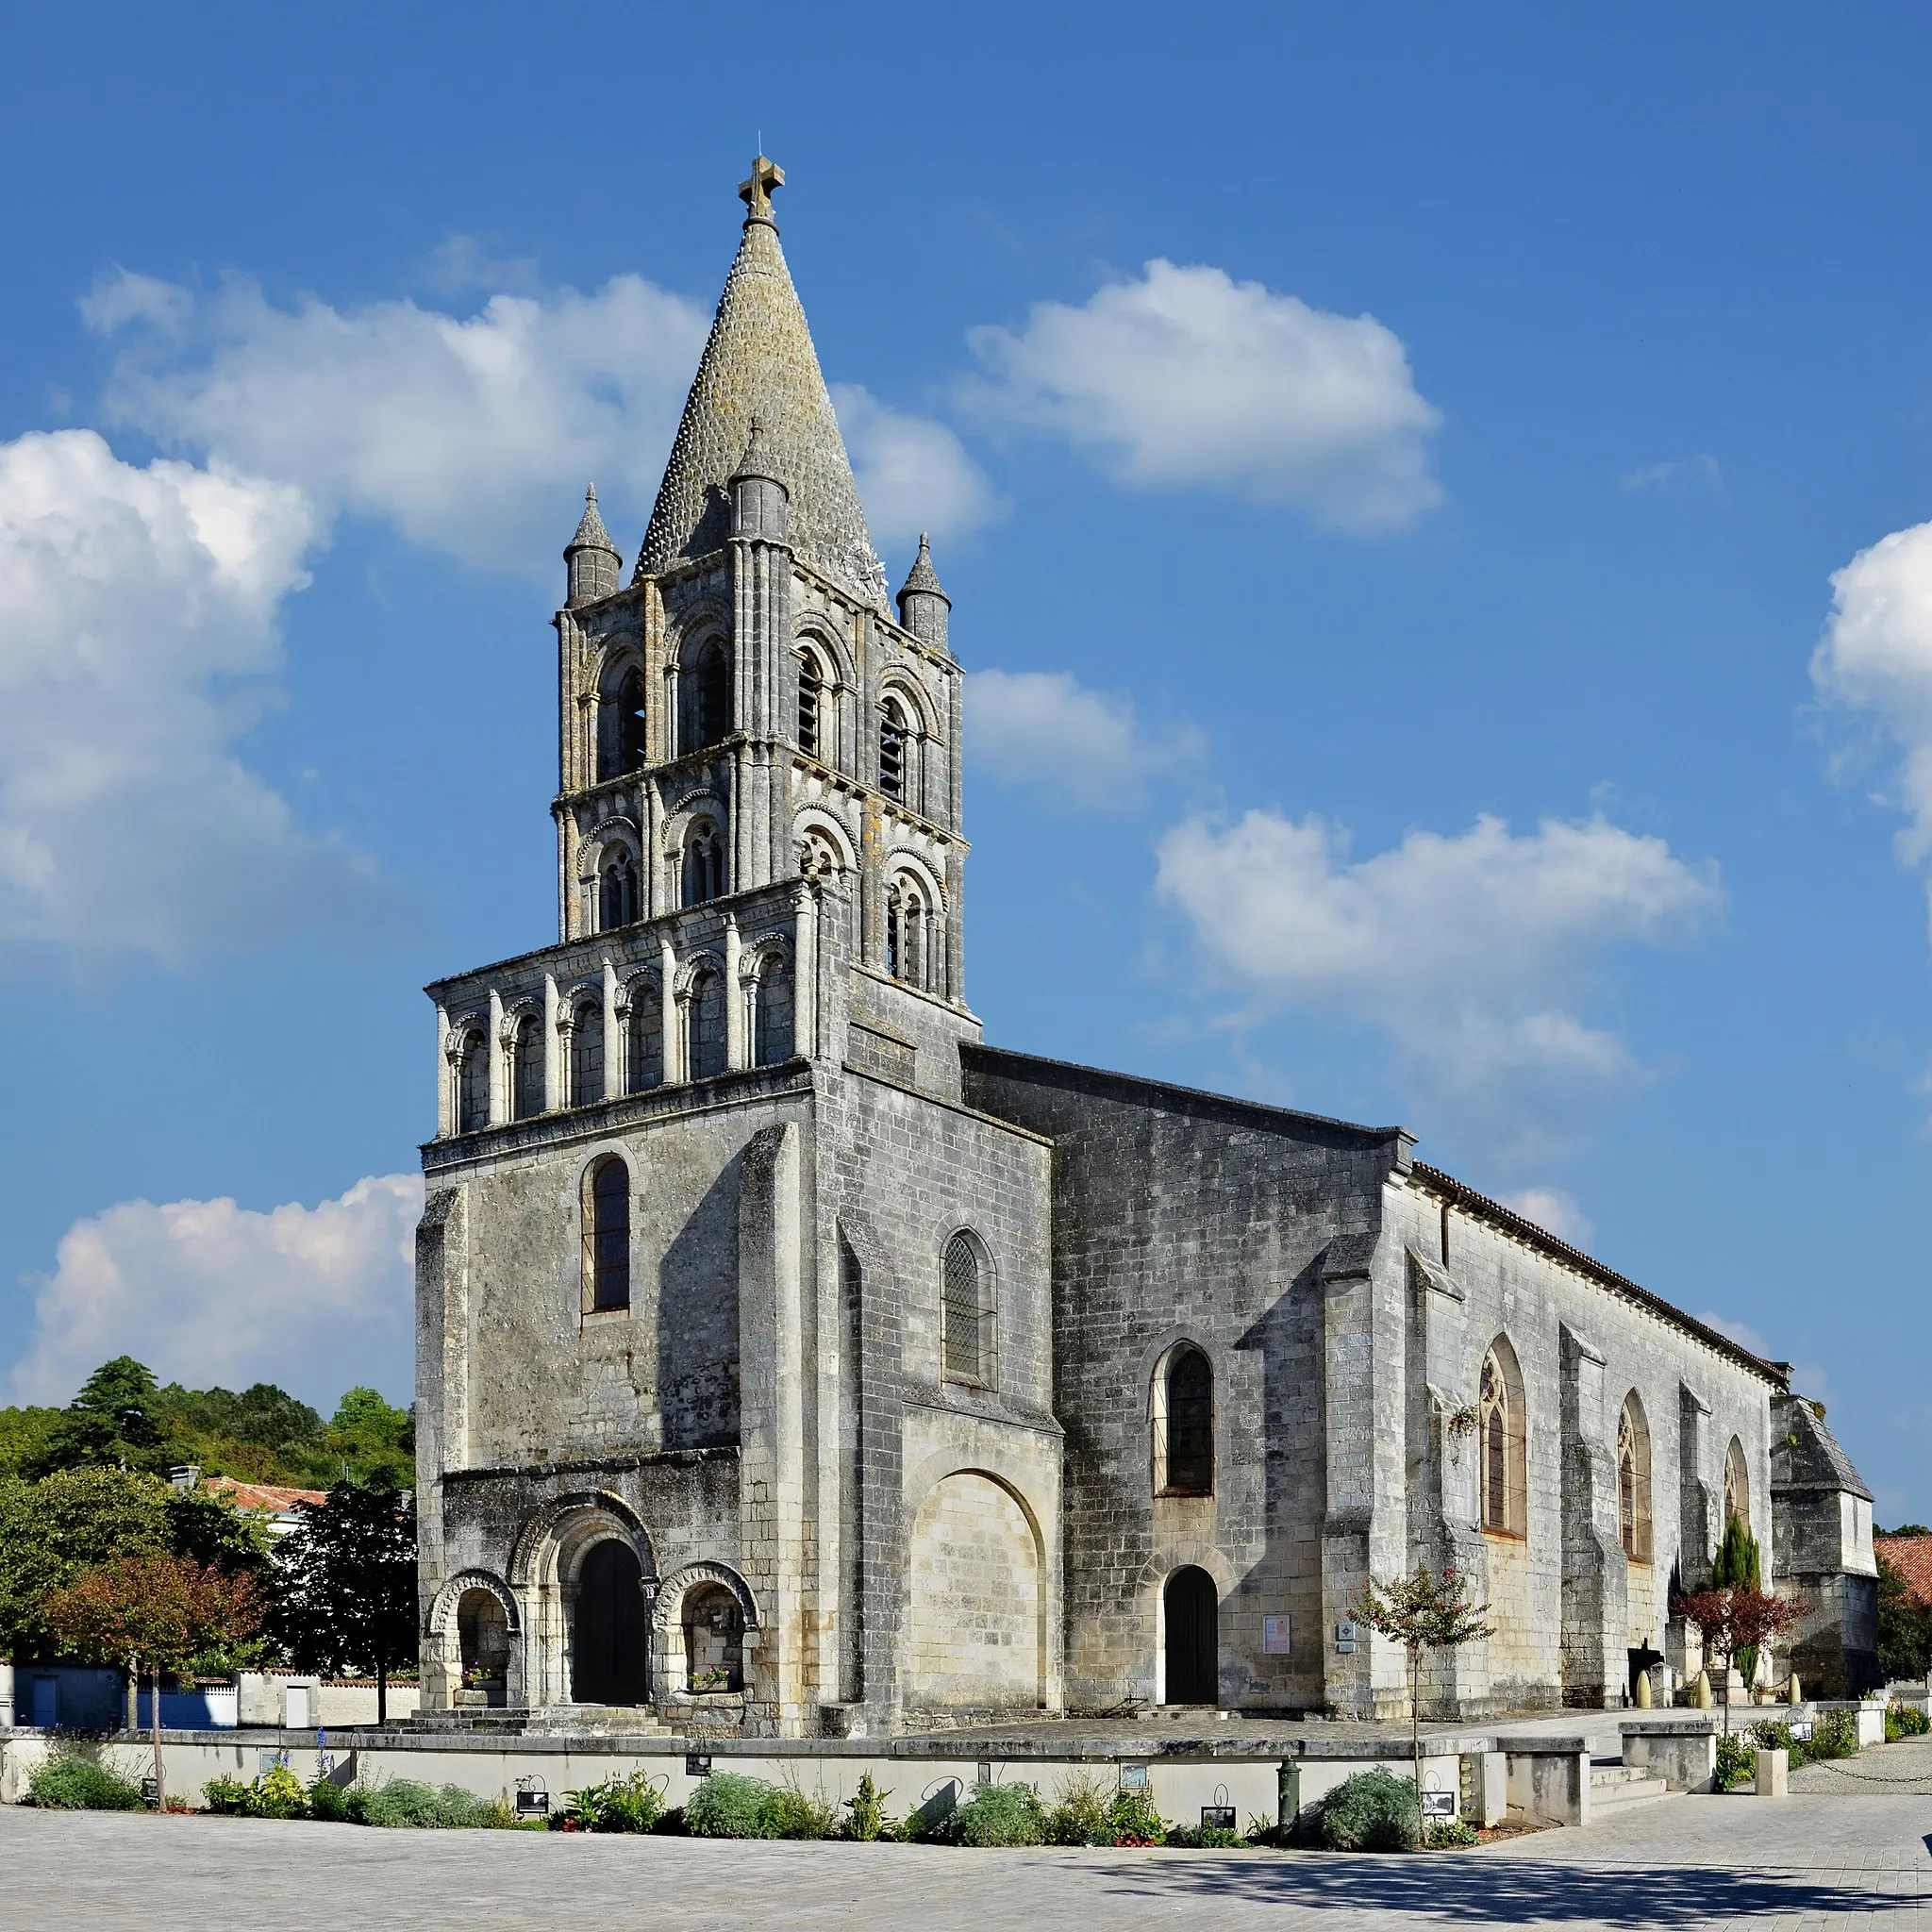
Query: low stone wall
{"type": "Point", "coordinates": [1682, 1751]}
{"type": "Point", "coordinates": [1182, 1781]}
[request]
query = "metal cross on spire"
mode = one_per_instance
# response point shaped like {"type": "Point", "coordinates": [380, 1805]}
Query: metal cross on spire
{"type": "Point", "coordinates": [756, 193]}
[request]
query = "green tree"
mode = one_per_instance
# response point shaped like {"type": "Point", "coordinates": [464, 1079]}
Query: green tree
{"type": "Point", "coordinates": [1736, 1619]}
{"type": "Point", "coordinates": [76, 1520]}
{"type": "Point", "coordinates": [370, 1436]}
{"type": "Point", "coordinates": [1736, 1568]}
{"type": "Point", "coordinates": [1904, 1625]}
{"type": "Point", "coordinates": [347, 1595]}
{"type": "Point", "coordinates": [110, 1424]}
{"type": "Point", "coordinates": [1421, 1612]}
{"type": "Point", "coordinates": [21, 1433]}
{"type": "Point", "coordinates": [154, 1610]}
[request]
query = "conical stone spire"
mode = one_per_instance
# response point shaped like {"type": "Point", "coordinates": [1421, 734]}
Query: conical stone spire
{"type": "Point", "coordinates": [593, 558]}
{"type": "Point", "coordinates": [759, 362]}
{"type": "Point", "coordinates": [924, 607]}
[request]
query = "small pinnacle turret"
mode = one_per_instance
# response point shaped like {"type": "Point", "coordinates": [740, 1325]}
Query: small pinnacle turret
{"type": "Point", "coordinates": [923, 606]}
{"type": "Point", "coordinates": [593, 558]}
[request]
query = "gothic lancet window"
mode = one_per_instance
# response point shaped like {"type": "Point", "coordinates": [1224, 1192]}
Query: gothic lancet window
{"type": "Point", "coordinates": [620, 745]}
{"type": "Point", "coordinates": [891, 748]}
{"type": "Point", "coordinates": [706, 1021]}
{"type": "Point", "coordinates": [966, 1314]}
{"type": "Point", "coordinates": [1737, 1485]}
{"type": "Point", "coordinates": [617, 891]}
{"type": "Point", "coordinates": [526, 1068]}
{"type": "Point", "coordinates": [1633, 1480]}
{"type": "Point", "coordinates": [607, 1234]}
{"type": "Point", "coordinates": [1503, 1443]}
{"type": "Point", "coordinates": [644, 1046]}
{"type": "Point", "coordinates": [587, 1054]}
{"type": "Point", "coordinates": [1184, 1445]}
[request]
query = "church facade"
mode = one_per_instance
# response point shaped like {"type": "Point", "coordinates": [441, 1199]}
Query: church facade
{"type": "Point", "coordinates": [790, 1361]}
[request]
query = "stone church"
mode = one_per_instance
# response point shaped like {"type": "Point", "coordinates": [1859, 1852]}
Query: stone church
{"type": "Point", "coordinates": [791, 1362]}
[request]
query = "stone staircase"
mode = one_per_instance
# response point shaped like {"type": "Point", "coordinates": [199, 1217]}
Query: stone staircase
{"type": "Point", "coordinates": [1616, 1787]}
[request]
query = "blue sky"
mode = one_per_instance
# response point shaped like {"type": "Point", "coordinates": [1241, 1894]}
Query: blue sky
{"type": "Point", "coordinates": [1390, 465]}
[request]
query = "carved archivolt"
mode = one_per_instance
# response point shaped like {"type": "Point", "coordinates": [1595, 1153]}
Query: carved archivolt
{"type": "Point", "coordinates": [680, 1583]}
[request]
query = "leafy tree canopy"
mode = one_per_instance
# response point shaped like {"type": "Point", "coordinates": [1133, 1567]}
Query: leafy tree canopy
{"type": "Point", "coordinates": [73, 1521]}
{"type": "Point", "coordinates": [1904, 1625]}
{"type": "Point", "coordinates": [262, 1434]}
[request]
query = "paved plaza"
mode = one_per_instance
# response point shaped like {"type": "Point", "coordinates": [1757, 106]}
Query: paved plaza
{"type": "Point", "coordinates": [1807, 1860]}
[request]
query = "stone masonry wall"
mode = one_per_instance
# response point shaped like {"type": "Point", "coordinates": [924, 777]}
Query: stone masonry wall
{"type": "Point", "coordinates": [1178, 1216]}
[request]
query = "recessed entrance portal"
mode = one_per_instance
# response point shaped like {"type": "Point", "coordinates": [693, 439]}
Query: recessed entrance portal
{"type": "Point", "coordinates": [1194, 1637]}
{"type": "Point", "coordinates": [608, 1654]}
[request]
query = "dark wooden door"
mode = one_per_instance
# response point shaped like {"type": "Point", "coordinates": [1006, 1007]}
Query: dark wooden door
{"type": "Point", "coordinates": [1194, 1637]}
{"type": "Point", "coordinates": [608, 1658]}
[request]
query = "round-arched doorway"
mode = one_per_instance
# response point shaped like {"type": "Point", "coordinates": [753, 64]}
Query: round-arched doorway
{"type": "Point", "coordinates": [608, 1645]}
{"type": "Point", "coordinates": [1192, 1611]}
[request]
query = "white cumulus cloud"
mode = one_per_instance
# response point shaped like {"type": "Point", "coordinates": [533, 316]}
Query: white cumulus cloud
{"type": "Point", "coordinates": [1046, 728]}
{"type": "Point", "coordinates": [1475, 955]}
{"type": "Point", "coordinates": [913, 474]}
{"type": "Point", "coordinates": [316, 1299]}
{"type": "Point", "coordinates": [1875, 662]}
{"type": "Point", "coordinates": [473, 434]}
{"type": "Point", "coordinates": [138, 641]}
{"type": "Point", "coordinates": [1555, 1210]}
{"type": "Point", "coordinates": [1186, 377]}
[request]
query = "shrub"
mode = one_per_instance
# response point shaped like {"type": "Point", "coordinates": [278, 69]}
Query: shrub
{"type": "Point", "coordinates": [1904, 1721]}
{"type": "Point", "coordinates": [277, 1794]}
{"type": "Point", "coordinates": [403, 1804]}
{"type": "Point", "coordinates": [869, 1821]}
{"type": "Point", "coordinates": [1771, 1735]}
{"type": "Point", "coordinates": [999, 1815]}
{"type": "Point", "coordinates": [1737, 1761]}
{"type": "Point", "coordinates": [327, 1801]}
{"type": "Point", "coordinates": [789, 1814]}
{"type": "Point", "coordinates": [1373, 1812]}
{"type": "Point", "coordinates": [65, 1783]}
{"type": "Point", "coordinates": [729, 1805]}
{"type": "Point", "coordinates": [615, 1803]}
{"type": "Point", "coordinates": [1443, 1835]}
{"type": "Point", "coordinates": [226, 1795]}
{"type": "Point", "coordinates": [1135, 1820]}
{"type": "Point", "coordinates": [1205, 1838]}
{"type": "Point", "coordinates": [1834, 1734]}
{"type": "Point", "coordinates": [1080, 1815]}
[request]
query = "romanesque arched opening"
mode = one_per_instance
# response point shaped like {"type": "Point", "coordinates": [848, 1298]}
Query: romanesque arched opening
{"type": "Point", "coordinates": [483, 1644]}
{"type": "Point", "coordinates": [974, 1625]}
{"type": "Point", "coordinates": [1190, 1609]}
{"type": "Point", "coordinates": [608, 1649]}
{"type": "Point", "coordinates": [713, 1621]}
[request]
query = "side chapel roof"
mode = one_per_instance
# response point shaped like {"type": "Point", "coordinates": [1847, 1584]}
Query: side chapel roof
{"type": "Point", "coordinates": [760, 362]}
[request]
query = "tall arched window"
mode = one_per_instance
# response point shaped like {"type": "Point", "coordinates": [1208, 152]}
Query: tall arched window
{"type": "Point", "coordinates": [811, 689]}
{"type": "Point", "coordinates": [906, 931]}
{"type": "Point", "coordinates": [703, 868]}
{"type": "Point", "coordinates": [607, 1234]}
{"type": "Point", "coordinates": [1737, 1485]}
{"type": "Point", "coordinates": [1502, 1434]}
{"type": "Point", "coordinates": [617, 891]}
{"type": "Point", "coordinates": [620, 745]}
{"type": "Point", "coordinates": [771, 1011]}
{"type": "Point", "coordinates": [526, 1068]}
{"type": "Point", "coordinates": [708, 698]}
{"type": "Point", "coordinates": [893, 736]}
{"type": "Point", "coordinates": [644, 1047]}
{"type": "Point", "coordinates": [1184, 1426]}
{"type": "Point", "coordinates": [1633, 1480]}
{"type": "Point", "coordinates": [706, 1023]}
{"type": "Point", "coordinates": [587, 1054]}
{"type": "Point", "coordinates": [966, 1313]}
{"type": "Point", "coordinates": [472, 1084]}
